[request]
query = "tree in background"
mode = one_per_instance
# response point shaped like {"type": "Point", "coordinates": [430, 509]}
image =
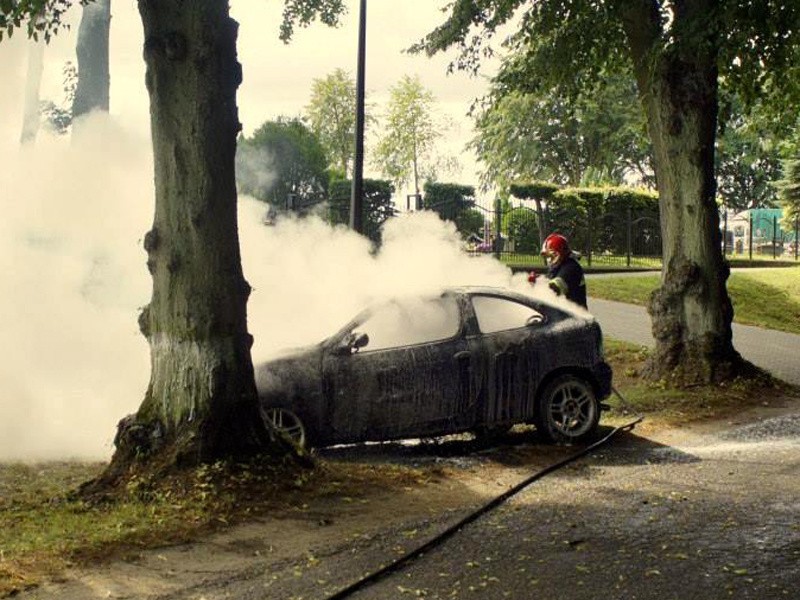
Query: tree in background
{"type": "Point", "coordinates": [283, 163]}
{"type": "Point", "coordinates": [678, 52]}
{"type": "Point", "coordinates": [456, 203]}
{"type": "Point", "coordinates": [377, 207]}
{"type": "Point", "coordinates": [541, 192]}
{"type": "Point", "coordinates": [33, 82]}
{"type": "Point", "coordinates": [405, 149]}
{"type": "Point", "coordinates": [94, 79]}
{"type": "Point", "coordinates": [331, 114]}
{"type": "Point", "coordinates": [789, 190]}
{"type": "Point", "coordinates": [546, 135]}
{"type": "Point", "coordinates": [59, 116]}
{"type": "Point", "coordinates": [748, 161]}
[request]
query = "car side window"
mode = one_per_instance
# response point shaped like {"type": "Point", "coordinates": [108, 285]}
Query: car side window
{"type": "Point", "coordinates": [498, 314]}
{"type": "Point", "coordinates": [411, 321]}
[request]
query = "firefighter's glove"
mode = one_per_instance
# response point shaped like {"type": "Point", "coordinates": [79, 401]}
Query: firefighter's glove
{"type": "Point", "coordinates": [559, 286]}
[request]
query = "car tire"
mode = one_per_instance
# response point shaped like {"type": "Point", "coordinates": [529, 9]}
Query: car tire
{"type": "Point", "coordinates": [286, 424]}
{"type": "Point", "coordinates": [567, 410]}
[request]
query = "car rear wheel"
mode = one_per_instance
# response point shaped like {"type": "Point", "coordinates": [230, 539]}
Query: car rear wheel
{"type": "Point", "coordinates": [287, 424]}
{"type": "Point", "coordinates": [567, 410]}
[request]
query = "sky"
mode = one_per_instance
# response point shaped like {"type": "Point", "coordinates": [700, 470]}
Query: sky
{"type": "Point", "coordinates": [75, 210]}
{"type": "Point", "coordinates": [278, 77]}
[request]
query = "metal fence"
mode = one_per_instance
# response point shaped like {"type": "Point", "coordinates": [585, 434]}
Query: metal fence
{"type": "Point", "coordinates": [514, 234]}
{"type": "Point", "coordinates": [759, 234]}
{"type": "Point", "coordinates": [625, 237]}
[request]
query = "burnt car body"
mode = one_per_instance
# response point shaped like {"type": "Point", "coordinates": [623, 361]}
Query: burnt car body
{"type": "Point", "coordinates": [467, 359]}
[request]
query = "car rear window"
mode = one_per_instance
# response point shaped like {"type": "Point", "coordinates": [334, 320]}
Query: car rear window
{"type": "Point", "coordinates": [499, 314]}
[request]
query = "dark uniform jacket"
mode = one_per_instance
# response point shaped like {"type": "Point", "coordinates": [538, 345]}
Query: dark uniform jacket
{"type": "Point", "coordinates": [567, 277]}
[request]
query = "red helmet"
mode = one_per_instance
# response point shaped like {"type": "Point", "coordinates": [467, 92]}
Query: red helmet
{"type": "Point", "coordinates": [555, 243]}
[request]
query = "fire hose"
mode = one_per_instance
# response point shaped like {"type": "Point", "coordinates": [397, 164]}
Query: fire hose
{"type": "Point", "coordinates": [398, 563]}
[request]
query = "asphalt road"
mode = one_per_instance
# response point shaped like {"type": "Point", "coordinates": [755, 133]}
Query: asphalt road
{"type": "Point", "coordinates": [701, 516]}
{"type": "Point", "coordinates": [774, 351]}
{"type": "Point", "coordinates": [711, 518]}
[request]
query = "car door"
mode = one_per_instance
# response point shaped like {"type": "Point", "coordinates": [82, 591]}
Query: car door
{"type": "Point", "coordinates": [512, 337]}
{"type": "Point", "coordinates": [411, 379]}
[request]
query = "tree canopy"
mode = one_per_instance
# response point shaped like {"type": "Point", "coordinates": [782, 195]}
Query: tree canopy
{"type": "Point", "coordinates": [547, 135]}
{"type": "Point", "coordinates": [679, 51]}
{"type": "Point", "coordinates": [331, 114]}
{"type": "Point", "coordinates": [405, 149]}
{"type": "Point", "coordinates": [283, 159]}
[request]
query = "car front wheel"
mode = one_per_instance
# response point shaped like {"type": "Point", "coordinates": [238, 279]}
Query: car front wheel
{"type": "Point", "coordinates": [567, 410]}
{"type": "Point", "coordinates": [287, 424]}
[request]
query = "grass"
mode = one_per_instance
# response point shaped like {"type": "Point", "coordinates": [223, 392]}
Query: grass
{"type": "Point", "coordinates": [671, 407]}
{"type": "Point", "coordinates": [762, 297]}
{"type": "Point", "coordinates": [46, 528]}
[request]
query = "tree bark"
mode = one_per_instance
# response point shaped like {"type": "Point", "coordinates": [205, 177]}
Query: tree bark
{"type": "Point", "coordinates": [201, 403]}
{"type": "Point", "coordinates": [33, 83]}
{"type": "Point", "coordinates": [691, 311]}
{"type": "Point", "coordinates": [94, 80]}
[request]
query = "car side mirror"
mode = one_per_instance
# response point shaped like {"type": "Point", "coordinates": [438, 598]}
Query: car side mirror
{"type": "Point", "coordinates": [360, 341]}
{"type": "Point", "coordinates": [351, 343]}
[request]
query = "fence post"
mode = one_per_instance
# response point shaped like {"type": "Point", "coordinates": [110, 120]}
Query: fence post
{"type": "Point", "coordinates": [628, 242]}
{"type": "Point", "coordinates": [774, 237]}
{"type": "Point", "coordinates": [796, 231]}
{"type": "Point", "coordinates": [497, 238]}
{"type": "Point", "coordinates": [750, 235]}
{"type": "Point", "coordinates": [589, 236]}
{"type": "Point", "coordinates": [725, 234]}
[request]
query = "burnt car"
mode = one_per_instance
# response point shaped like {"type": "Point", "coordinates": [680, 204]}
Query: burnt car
{"type": "Point", "coordinates": [467, 359]}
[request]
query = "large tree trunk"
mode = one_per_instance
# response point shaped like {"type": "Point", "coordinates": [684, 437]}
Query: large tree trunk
{"type": "Point", "coordinates": [33, 83]}
{"type": "Point", "coordinates": [691, 311]}
{"type": "Point", "coordinates": [92, 91]}
{"type": "Point", "coordinates": [201, 403]}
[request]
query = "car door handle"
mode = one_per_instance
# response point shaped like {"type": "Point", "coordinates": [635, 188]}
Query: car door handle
{"type": "Point", "coordinates": [462, 354]}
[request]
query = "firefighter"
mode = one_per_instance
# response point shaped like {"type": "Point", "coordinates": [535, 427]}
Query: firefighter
{"type": "Point", "coordinates": [564, 272]}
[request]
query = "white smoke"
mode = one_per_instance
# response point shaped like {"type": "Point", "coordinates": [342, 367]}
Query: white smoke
{"type": "Point", "coordinates": [73, 361]}
{"type": "Point", "coordinates": [75, 209]}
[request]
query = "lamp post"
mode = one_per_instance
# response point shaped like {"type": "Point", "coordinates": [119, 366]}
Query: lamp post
{"type": "Point", "coordinates": [357, 194]}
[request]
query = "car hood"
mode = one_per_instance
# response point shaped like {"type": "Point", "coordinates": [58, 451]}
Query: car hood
{"type": "Point", "coordinates": [288, 371]}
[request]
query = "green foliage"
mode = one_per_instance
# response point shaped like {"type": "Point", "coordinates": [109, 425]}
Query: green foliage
{"type": "Point", "coordinates": [41, 18]}
{"type": "Point", "coordinates": [522, 226]}
{"type": "Point", "coordinates": [454, 202]}
{"type": "Point", "coordinates": [283, 158]}
{"type": "Point", "coordinates": [535, 190]}
{"type": "Point", "coordinates": [789, 185]}
{"type": "Point", "coordinates": [549, 135]}
{"type": "Point", "coordinates": [304, 12]}
{"type": "Point", "coordinates": [59, 117]}
{"type": "Point", "coordinates": [377, 204]}
{"type": "Point", "coordinates": [440, 195]}
{"type": "Point", "coordinates": [331, 113]}
{"type": "Point", "coordinates": [600, 213]}
{"type": "Point", "coordinates": [748, 153]}
{"type": "Point", "coordinates": [405, 150]}
{"type": "Point", "coordinates": [470, 221]}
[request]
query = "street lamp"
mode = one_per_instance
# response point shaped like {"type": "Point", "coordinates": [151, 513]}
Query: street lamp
{"type": "Point", "coordinates": [357, 194]}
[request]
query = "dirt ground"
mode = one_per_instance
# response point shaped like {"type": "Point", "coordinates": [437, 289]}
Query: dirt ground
{"type": "Point", "coordinates": [313, 550]}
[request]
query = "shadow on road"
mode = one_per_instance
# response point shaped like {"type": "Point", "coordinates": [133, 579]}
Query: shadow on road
{"type": "Point", "coordinates": [519, 448]}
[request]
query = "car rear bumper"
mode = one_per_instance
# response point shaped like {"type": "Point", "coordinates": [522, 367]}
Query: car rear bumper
{"type": "Point", "coordinates": [603, 376]}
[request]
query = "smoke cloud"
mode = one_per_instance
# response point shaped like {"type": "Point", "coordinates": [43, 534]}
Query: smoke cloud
{"type": "Point", "coordinates": [75, 212]}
